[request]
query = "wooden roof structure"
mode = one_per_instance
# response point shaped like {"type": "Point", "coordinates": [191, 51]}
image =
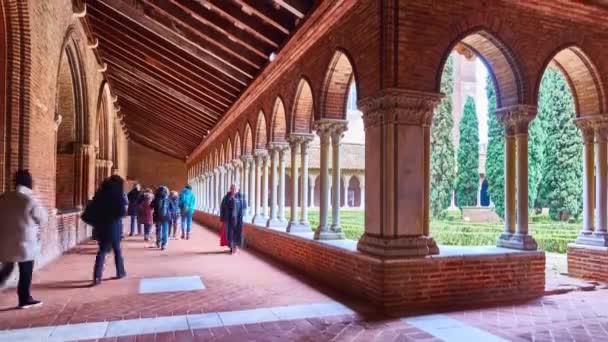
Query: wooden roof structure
{"type": "Point", "coordinates": [176, 66]}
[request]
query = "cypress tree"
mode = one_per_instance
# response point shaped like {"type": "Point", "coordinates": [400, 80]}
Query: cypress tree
{"type": "Point", "coordinates": [561, 187]}
{"type": "Point", "coordinates": [467, 181]}
{"type": "Point", "coordinates": [495, 156]}
{"type": "Point", "coordinates": [443, 161]}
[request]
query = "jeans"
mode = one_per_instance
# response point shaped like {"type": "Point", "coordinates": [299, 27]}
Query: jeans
{"type": "Point", "coordinates": [134, 221]}
{"type": "Point", "coordinates": [162, 234]}
{"type": "Point", "coordinates": [26, 268]}
{"type": "Point", "coordinates": [104, 248]}
{"type": "Point", "coordinates": [147, 228]}
{"type": "Point", "coordinates": [173, 227]}
{"type": "Point", "coordinates": [186, 218]}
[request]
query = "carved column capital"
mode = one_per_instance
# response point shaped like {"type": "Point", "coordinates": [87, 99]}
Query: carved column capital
{"type": "Point", "coordinates": [516, 119]}
{"type": "Point", "coordinates": [278, 146]}
{"type": "Point", "coordinates": [236, 163]}
{"type": "Point", "coordinates": [399, 106]}
{"type": "Point", "coordinates": [247, 159]}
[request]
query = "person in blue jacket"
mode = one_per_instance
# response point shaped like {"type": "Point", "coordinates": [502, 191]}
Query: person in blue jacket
{"type": "Point", "coordinates": [187, 203]}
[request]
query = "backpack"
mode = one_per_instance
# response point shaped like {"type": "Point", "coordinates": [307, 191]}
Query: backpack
{"type": "Point", "coordinates": [162, 210]}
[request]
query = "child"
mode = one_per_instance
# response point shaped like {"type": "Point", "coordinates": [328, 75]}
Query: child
{"type": "Point", "coordinates": [146, 212]}
{"type": "Point", "coordinates": [174, 208]}
{"type": "Point", "coordinates": [162, 216]}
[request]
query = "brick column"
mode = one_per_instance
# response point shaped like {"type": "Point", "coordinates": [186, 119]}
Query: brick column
{"type": "Point", "coordinates": [294, 146]}
{"type": "Point", "coordinates": [516, 120]}
{"type": "Point", "coordinates": [395, 167]}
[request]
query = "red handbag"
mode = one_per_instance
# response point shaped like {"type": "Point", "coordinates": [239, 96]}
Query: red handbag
{"type": "Point", "coordinates": [223, 241]}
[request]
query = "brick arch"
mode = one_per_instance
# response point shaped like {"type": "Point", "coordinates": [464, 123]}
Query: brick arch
{"type": "Point", "coordinates": [222, 155]}
{"type": "Point", "coordinates": [229, 151]}
{"type": "Point", "coordinates": [261, 133]}
{"type": "Point", "coordinates": [279, 122]}
{"type": "Point", "coordinates": [237, 145]}
{"type": "Point", "coordinates": [498, 59]}
{"type": "Point", "coordinates": [334, 94]}
{"type": "Point", "coordinates": [15, 90]}
{"type": "Point", "coordinates": [216, 158]}
{"type": "Point", "coordinates": [303, 108]}
{"type": "Point", "coordinates": [247, 140]}
{"type": "Point", "coordinates": [582, 76]}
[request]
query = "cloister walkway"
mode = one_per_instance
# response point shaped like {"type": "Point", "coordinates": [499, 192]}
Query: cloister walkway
{"type": "Point", "coordinates": [247, 297]}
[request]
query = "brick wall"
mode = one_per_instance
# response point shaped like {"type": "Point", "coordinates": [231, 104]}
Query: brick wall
{"type": "Point", "coordinates": [152, 168]}
{"type": "Point", "coordinates": [404, 285]}
{"type": "Point", "coordinates": [588, 262]}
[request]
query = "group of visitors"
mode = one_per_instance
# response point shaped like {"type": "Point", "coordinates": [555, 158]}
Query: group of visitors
{"type": "Point", "coordinates": [23, 213]}
{"type": "Point", "coordinates": [162, 208]}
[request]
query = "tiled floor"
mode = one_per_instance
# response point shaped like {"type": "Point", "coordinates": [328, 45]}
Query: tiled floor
{"type": "Point", "coordinates": [248, 298]}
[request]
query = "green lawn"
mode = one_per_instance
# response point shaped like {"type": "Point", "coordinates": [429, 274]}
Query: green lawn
{"type": "Point", "coordinates": [551, 236]}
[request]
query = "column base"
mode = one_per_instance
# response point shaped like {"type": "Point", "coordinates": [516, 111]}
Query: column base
{"type": "Point", "coordinates": [276, 223]}
{"type": "Point", "coordinates": [247, 219]}
{"type": "Point", "coordinates": [260, 220]}
{"type": "Point", "coordinates": [407, 246]}
{"type": "Point", "coordinates": [517, 241]}
{"type": "Point", "coordinates": [328, 234]}
{"type": "Point", "coordinates": [592, 239]}
{"type": "Point", "coordinates": [295, 227]}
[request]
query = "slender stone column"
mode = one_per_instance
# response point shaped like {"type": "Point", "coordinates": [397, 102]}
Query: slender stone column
{"type": "Point", "coordinates": [261, 159]}
{"type": "Point", "coordinates": [215, 190]}
{"type": "Point", "coordinates": [282, 153]}
{"type": "Point", "coordinates": [362, 192]}
{"type": "Point", "coordinates": [294, 145]}
{"type": "Point", "coordinates": [337, 132]}
{"type": "Point", "coordinates": [266, 167]}
{"type": "Point", "coordinates": [305, 140]}
{"type": "Point", "coordinates": [396, 126]}
{"type": "Point", "coordinates": [345, 180]}
{"type": "Point", "coordinates": [516, 120]}
{"type": "Point", "coordinates": [236, 176]}
{"type": "Point", "coordinates": [253, 169]}
{"type": "Point", "coordinates": [245, 191]}
{"type": "Point", "coordinates": [326, 129]}
{"type": "Point", "coordinates": [594, 233]}
{"type": "Point", "coordinates": [311, 184]}
{"type": "Point", "coordinates": [274, 184]}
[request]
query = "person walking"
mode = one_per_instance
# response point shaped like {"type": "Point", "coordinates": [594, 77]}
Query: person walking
{"type": "Point", "coordinates": [231, 215]}
{"type": "Point", "coordinates": [187, 203]}
{"type": "Point", "coordinates": [105, 213]}
{"type": "Point", "coordinates": [162, 217]}
{"type": "Point", "coordinates": [21, 215]}
{"type": "Point", "coordinates": [146, 213]}
{"type": "Point", "coordinates": [174, 209]}
{"type": "Point", "coordinates": [134, 197]}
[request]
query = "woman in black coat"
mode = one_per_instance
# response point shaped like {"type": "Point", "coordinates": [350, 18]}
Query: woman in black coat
{"type": "Point", "coordinates": [109, 207]}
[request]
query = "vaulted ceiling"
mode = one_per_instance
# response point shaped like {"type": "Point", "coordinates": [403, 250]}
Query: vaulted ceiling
{"type": "Point", "coordinates": [176, 66]}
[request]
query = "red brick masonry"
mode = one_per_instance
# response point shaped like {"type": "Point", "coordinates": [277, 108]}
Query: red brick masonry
{"type": "Point", "coordinates": [590, 262]}
{"type": "Point", "coordinates": [412, 284]}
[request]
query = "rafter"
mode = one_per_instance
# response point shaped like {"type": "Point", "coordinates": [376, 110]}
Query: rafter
{"type": "Point", "coordinates": [246, 8]}
{"type": "Point", "coordinates": [294, 9]}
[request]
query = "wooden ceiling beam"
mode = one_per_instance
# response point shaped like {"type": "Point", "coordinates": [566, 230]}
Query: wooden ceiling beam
{"type": "Point", "coordinates": [293, 7]}
{"type": "Point", "coordinates": [122, 9]}
{"type": "Point", "coordinates": [237, 17]}
{"type": "Point", "coordinates": [159, 114]}
{"type": "Point", "coordinates": [143, 125]}
{"type": "Point", "coordinates": [156, 105]}
{"type": "Point", "coordinates": [115, 58]}
{"type": "Point", "coordinates": [125, 83]}
{"type": "Point", "coordinates": [151, 83]}
{"type": "Point", "coordinates": [111, 28]}
{"type": "Point", "coordinates": [247, 8]}
{"type": "Point", "coordinates": [154, 145]}
{"type": "Point", "coordinates": [268, 8]}
{"type": "Point", "coordinates": [174, 18]}
{"type": "Point", "coordinates": [167, 68]}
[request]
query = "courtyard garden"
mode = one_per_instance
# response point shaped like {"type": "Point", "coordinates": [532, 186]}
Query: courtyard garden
{"type": "Point", "coordinates": [552, 236]}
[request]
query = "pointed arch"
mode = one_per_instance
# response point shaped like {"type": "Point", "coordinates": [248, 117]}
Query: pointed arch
{"type": "Point", "coordinates": [247, 140]}
{"type": "Point", "coordinates": [229, 152]}
{"type": "Point", "coordinates": [222, 155]}
{"type": "Point", "coordinates": [498, 59]}
{"type": "Point", "coordinates": [261, 135]}
{"type": "Point", "coordinates": [237, 145]}
{"type": "Point", "coordinates": [279, 123]}
{"type": "Point", "coordinates": [216, 158]}
{"type": "Point", "coordinates": [583, 78]}
{"type": "Point", "coordinates": [303, 108]}
{"type": "Point", "coordinates": [340, 73]}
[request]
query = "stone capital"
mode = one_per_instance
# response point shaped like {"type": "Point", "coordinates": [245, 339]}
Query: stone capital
{"type": "Point", "coordinates": [516, 119]}
{"type": "Point", "coordinates": [87, 149]}
{"type": "Point", "coordinates": [593, 128]}
{"type": "Point", "coordinates": [278, 146]}
{"type": "Point", "coordinates": [236, 163]}
{"type": "Point", "coordinates": [246, 159]}
{"type": "Point", "coordinates": [399, 106]}
{"type": "Point", "coordinates": [103, 163]}
{"type": "Point", "coordinates": [260, 153]}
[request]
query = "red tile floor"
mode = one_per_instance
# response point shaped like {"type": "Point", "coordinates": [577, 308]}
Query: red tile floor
{"type": "Point", "coordinates": [248, 281]}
